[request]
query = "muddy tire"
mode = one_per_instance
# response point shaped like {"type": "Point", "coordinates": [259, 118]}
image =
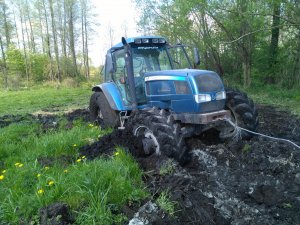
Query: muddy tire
{"type": "Point", "coordinates": [243, 113]}
{"type": "Point", "coordinates": [101, 112]}
{"type": "Point", "coordinates": [160, 133]}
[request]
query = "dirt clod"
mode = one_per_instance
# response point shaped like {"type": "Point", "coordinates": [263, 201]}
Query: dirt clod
{"type": "Point", "coordinates": [55, 214]}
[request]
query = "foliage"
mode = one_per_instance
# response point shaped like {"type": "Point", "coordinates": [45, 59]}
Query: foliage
{"type": "Point", "coordinates": [43, 40]}
{"type": "Point", "coordinates": [250, 41]}
{"type": "Point", "coordinates": [39, 167]}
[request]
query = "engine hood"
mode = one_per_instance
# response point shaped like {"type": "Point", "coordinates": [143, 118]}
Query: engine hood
{"type": "Point", "coordinates": [169, 74]}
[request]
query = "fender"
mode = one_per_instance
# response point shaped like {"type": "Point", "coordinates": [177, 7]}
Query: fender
{"type": "Point", "coordinates": [112, 95]}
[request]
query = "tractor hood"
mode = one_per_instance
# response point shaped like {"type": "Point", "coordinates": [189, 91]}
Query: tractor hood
{"type": "Point", "coordinates": [185, 90]}
{"type": "Point", "coordinates": [200, 80]}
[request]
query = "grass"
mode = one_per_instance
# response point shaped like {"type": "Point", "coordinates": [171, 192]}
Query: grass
{"type": "Point", "coordinates": [32, 100]}
{"type": "Point", "coordinates": [95, 190]}
{"type": "Point", "coordinates": [164, 202]}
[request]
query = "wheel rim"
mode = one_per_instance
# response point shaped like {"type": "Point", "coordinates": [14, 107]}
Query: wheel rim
{"type": "Point", "coordinates": [148, 136]}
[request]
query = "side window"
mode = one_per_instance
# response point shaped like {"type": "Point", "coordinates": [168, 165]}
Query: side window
{"type": "Point", "coordinates": [108, 68]}
{"type": "Point", "coordinates": [179, 58]}
{"type": "Point", "coordinates": [119, 58]}
{"type": "Point", "coordinates": [163, 61]}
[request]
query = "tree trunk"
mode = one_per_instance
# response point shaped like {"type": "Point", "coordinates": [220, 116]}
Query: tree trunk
{"type": "Point", "coordinates": [296, 71]}
{"type": "Point", "coordinates": [48, 42]}
{"type": "Point", "coordinates": [55, 41]}
{"type": "Point", "coordinates": [24, 47]}
{"type": "Point", "coordinates": [4, 64]}
{"type": "Point", "coordinates": [72, 39]}
{"type": "Point", "coordinates": [274, 42]}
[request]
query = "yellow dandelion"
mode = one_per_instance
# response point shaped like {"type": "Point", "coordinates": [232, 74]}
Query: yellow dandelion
{"type": "Point", "coordinates": [20, 165]}
{"type": "Point", "coordinates": [78, 160]}
{"type": "Point", "coordinates": [40, 191]}
{"type": "Point", "coordinates": [17, 164]}
{"type": "Point", "coordinates": [66, 171]}
{"type": "Point", "coordinates": [117, 153]}
{"type": "Point", "coordinates": [1, 177]}
{"type": "Point", "coordinates": [91, 125]}
{"type": "Point", "coordinates": [75, 145]}
{"type": "Point", "coordinates": [83, 157]}
{"type": "Point", "coordinates": [51, 182]}
{"type": "Point", "coordinates": [3, 171]}
{"type": "Point", "coordinates": [38, 175]}
{"type": "Point", "coordinates": [46, 168]}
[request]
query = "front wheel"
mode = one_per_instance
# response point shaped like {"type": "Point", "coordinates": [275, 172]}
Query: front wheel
{"type": "Point", "coordinates": [243, 114]}
{"type": "Point", "coordinates": [101, 112]}
{"type": "Point", "coordinates": [159, 133]}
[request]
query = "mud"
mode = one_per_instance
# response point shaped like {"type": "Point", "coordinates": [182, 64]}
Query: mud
{"type": "Point", "coordinates": [248, 182]}
{"type": "Point", "coordinates": [47, 120]}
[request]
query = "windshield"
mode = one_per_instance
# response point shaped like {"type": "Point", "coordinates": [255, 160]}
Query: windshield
{"type": "Point", "coordinates": [152, 58]}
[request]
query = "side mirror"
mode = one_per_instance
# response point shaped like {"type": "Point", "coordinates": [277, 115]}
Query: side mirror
{"type": "Point", "coordinates": [196, 57]}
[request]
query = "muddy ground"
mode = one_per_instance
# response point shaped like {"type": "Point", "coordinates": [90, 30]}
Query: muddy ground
{"type": "Point", "coordinates": [245, 182]}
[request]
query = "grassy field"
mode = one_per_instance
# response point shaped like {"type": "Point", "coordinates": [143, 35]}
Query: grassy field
{"type": "Point", "coordinates": [29, 101]}
{"type": "Point", "coordinates": [95, 190]}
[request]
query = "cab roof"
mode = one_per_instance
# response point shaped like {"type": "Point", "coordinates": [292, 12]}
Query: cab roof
{"type": "Point", "coordinates": [130, 40]}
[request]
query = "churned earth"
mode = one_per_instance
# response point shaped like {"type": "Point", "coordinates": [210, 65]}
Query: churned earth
{"type": "Point", "coordinates": [245, 182]}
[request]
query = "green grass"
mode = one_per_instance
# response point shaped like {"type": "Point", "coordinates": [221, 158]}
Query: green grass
{"type": "Point", "coordinates": [32, 100]}
{"type": "Point", "coordinates": [95, 190]}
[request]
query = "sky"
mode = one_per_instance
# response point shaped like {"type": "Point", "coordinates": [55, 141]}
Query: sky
{"type": "Point", "coordinates": [120, 15]}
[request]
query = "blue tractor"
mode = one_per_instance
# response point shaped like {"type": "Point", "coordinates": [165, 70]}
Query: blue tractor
{"type": "Point", "coordinates": [152, 88]}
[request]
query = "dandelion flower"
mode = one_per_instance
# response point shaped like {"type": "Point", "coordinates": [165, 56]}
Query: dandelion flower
{"type": "Point", "coordinates": [51, 182]}
{"type": "Point", "coordinates": [78, 160]}
{"type": "Point", "coordinates": [75, 145]}
{"type": "Point", "coordinates": [83, 157]}
{"type": "Point", "coordinates": [38, 175]}
{"type": "Point", "coordinates": [66, 171]}
{"type": "Point", "coordinates": [3, 171]}
{"type": "Point", "coordinates": [20, 165]}
{"type": "Point", "coordinates": [17, 164]}
{"type": "Point", "coordinates": [91, 125]}
{"type": "Point", "coordinates": [1, 177]}
{"type": "Point", "coordinates": [46, 168]}
{"type": "Point", "coordinates": [40, 191]}
{"type": "Point", "coordinates": [117, 153]}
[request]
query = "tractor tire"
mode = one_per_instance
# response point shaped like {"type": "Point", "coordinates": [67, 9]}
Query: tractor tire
{"type": "Point", "coordinates": [243, 113]}
{"type": "Point", "coordinates": [160, 134]}
{"type": "Point", "coordinates": [101, 112]}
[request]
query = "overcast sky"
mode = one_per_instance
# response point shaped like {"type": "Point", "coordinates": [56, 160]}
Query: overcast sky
{"type": "Point", "coordinates": [117, 14]}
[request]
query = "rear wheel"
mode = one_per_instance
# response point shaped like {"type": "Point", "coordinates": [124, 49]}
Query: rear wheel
{"type": "Point", "coordinates": [159, 132]}
{"type": "Point", "coordinates": [243, 114]}
{"type": "Point", "coordinates": [101, 112]}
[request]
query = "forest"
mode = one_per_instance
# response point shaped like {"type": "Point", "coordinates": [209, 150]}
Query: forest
{"type": "Point", "coordinates": [249, 43]}
{"type": "Point", "coordinates": [44, 40]}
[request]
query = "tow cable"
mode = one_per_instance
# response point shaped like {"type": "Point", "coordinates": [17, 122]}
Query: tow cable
{"type": "Point", "coordinates": [239, 129]}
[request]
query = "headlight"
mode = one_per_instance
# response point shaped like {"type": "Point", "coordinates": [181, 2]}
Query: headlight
{"type": "Point", "coordinates": [221, 95]}
{"type": "Point", "coordinates": [202, 98]}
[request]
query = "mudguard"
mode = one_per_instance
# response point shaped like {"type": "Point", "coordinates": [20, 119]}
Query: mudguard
{"type": "Point", "coordinates": [112, 95]}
